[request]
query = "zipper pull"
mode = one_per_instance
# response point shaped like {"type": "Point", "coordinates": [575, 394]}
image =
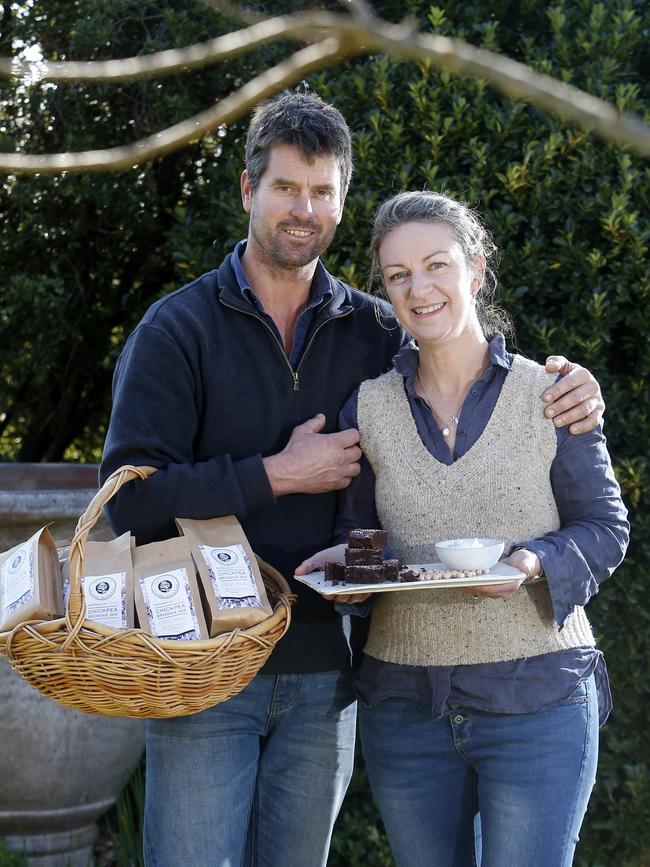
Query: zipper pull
{"type": "Point", "coordinates": [296, 381]}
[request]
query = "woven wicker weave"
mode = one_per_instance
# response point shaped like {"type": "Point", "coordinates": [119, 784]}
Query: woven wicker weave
{"type": "Point", "coordinates": [127, 672]}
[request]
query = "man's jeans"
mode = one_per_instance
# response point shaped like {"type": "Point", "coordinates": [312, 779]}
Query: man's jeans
{"type": "Point", "coordinates": [256, 781]}
{"type": "Point", "coordinates": [529, 775]}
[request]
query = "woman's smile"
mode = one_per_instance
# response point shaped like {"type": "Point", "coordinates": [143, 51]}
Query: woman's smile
{"type": "Point", "coordinates": [431, 310]}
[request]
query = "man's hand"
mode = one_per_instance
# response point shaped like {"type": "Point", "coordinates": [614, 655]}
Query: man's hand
{"type": "Point", "coordinates": [314, 463]}
{"type": "Point", "coordinates": [335, 554]}
{"type": "Point", "coordinates": [575, 399]}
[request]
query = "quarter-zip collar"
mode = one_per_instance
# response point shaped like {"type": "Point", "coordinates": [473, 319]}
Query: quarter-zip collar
{"type": "Point", "coordinates": [319, 290]}
{"type": "Point", "coordinates": [336, 300]}
{"type": "Point", "coordinates": [333, 306]}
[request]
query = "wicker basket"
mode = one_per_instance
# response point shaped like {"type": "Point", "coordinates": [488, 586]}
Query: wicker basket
{"type": "Point", "coordinates": [126, 672]}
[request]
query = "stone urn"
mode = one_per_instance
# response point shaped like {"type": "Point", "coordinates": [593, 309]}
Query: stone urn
{"type": "Point", "coordinates": [60, 769]}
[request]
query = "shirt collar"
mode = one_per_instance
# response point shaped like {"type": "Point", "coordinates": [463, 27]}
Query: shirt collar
{"type": "Point", "coordinates": [406, 361]}
{"type": "Point", "coordinates": [319, 291]}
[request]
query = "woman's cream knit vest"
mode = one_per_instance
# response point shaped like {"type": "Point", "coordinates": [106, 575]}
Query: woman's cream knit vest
{"type": "Point", "coordinates": [499, 489]}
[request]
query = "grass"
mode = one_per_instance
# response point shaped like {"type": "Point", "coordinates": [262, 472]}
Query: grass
{"type": "Point", "coordinates": [120, 831]}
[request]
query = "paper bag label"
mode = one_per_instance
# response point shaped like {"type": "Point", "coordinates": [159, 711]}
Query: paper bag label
{"type": "Point", "coordinates": [231, 575]}
{"type": "Point", "coordinates": [17, 579]}
{"type": "Point", "coordinates": [170, 607]}
{"type": "Point", "coordinates": [106, 599]}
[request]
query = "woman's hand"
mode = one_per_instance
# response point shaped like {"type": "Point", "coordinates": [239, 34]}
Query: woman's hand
{"type": "Point", "coordinates": [335, 554]}
{"type": "Point", "coordinates": [522, 559]}
{"type": "Point", "coordinates": [349, 598]}
{"type": "Point", "coordinates": [525, 561]}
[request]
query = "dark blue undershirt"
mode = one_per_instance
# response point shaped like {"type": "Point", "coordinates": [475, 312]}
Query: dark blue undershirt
{"type": "Point", "coordinates": [319, 293]}
{"type": "Point", "coordinates": [575, 559]}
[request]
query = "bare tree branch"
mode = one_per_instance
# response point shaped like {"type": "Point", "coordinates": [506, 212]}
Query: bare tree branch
{"type": "Point", "coordinates": [165, 62]}
{"type": "Point", "coordinates": [518, 81]}
{"type": "Point", "coordinates": [353, 35]}
{"type": "Point", "coordinates": [287, 72]}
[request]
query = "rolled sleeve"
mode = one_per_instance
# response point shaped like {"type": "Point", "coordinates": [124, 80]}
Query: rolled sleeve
{"type": "Point", "coordinates": [594, 530]}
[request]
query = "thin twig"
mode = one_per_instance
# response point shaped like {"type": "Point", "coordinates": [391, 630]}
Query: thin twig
{"type": "Point", "coordinates": [285, 73]}
{"type": "Point", "coordinates": [167, 62]}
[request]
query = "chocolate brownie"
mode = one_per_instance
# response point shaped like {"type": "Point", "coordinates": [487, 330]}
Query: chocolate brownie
{"type": "Point", "coordinates": [335, 572]}
{"type": "Point", "coordinates": [408, 575]}
{"type": "Point", "coordinates": [391, 569]}
{"type": "Point", "coordinates": [362, 557]}
{"type": "Point", "coordinates": [376, 539]}
{"type": "Point", "coordinates": [364, 574]}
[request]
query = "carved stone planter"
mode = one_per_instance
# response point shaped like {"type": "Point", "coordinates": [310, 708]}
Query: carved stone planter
{"type": "Point", "coordinates": [60, 770]}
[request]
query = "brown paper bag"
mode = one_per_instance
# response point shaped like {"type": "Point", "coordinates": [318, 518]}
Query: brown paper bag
{"type": "Point", "coordinates": [230, 576]}
{"type": "Point", "coordinates": [107, 582]}
{"type": "Point", "coordinates": [30, 581]}
{"type": "Point", "coordinates": [167, 598]}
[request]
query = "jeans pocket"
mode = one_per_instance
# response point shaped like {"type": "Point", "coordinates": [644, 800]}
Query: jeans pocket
{"type": "Point", "coordinates": [578, 696]}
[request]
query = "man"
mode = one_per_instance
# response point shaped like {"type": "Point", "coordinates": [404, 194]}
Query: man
{"type": "Point", "coordinates": [231, 386]}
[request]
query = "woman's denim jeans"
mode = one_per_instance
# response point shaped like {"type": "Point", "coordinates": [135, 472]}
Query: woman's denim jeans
{"type": "Point", "coordinates": [257, 780]}
{"type": "Point", "coordinates": [529, 776]}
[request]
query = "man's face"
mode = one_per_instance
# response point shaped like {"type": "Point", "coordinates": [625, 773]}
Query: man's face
{"type": "Point", "coordinates": [295, 209]}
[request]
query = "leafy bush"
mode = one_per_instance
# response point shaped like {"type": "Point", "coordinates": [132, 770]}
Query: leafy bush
{"type": "Point", "coordinates": [11, 859]}
{"type": "Point", "coordinates": [81, 258]}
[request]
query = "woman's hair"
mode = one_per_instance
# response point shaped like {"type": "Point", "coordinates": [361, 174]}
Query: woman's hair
{"type": "Point", "coordinates": [474, 239]}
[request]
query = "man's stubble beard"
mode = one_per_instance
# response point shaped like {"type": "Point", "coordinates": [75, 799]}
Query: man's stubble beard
{"type": "Point", "coordinates": [274, 249]}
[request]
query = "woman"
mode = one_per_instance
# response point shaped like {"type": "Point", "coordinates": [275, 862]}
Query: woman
{"type": "Point", "coordinates": [481, 704]}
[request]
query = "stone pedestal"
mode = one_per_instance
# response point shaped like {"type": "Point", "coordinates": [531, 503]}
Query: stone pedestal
{"type": "Point", "coordinates": [32, 495]}
{"type": "Point", "coordinates": [60, 769]}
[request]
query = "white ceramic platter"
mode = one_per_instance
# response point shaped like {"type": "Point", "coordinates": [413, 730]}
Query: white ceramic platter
{"type": "Point", "coordinates": [499, 574]}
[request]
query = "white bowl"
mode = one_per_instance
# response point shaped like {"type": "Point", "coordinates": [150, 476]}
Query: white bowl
{"type": "Point", "coordinates": [467, 554]}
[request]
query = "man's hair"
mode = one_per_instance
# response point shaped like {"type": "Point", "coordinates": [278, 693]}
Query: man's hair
{"type": "Point", "coordinates": [302, 120]}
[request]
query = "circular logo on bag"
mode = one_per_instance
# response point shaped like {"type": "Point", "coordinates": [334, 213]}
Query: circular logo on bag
{"type": "Point", "coordinates": [18, 560]}
{"type": "Point", "coordinates": [102, 588]}
{"type": "Point", "coordinates": [223, 557]}
{"type": "Point", "coordinates": [165, 586]}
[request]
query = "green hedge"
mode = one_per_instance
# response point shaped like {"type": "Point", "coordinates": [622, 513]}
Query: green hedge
{"type": "Point", "coordinates": [81, 258]}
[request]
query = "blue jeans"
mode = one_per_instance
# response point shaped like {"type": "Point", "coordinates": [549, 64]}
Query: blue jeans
{"type": "Point", "coordinates": [257, 780]}
{"type": "Point", "coordinates": [528, 776]}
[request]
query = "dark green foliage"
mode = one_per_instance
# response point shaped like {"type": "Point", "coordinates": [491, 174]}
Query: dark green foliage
{"type": "Point", "coordinates": [359, 839]}
{"type": "Point", "coordinates": [120, 837]}
{"type": "Point", "coordinates": [11, 859]}
{"type": "Point", "coordinates": [81, 258]}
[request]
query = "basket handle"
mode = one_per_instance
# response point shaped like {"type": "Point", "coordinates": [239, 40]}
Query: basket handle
{"type": "Point", "coordinates": [76, 608]}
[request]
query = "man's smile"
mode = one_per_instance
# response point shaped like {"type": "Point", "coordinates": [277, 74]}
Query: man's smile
{"type": "Point", "coordinates": [299, 233]}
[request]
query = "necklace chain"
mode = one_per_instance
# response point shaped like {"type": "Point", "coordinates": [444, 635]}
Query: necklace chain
{"type": "Point", "coordinates": [452, 418]}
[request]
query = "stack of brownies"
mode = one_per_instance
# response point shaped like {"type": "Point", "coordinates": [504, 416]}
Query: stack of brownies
{"type": "Point", "coordinates": [364, 561]}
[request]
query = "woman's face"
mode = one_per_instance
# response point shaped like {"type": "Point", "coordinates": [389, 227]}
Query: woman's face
{"type": "Point", "coordinates": [429, 282]}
